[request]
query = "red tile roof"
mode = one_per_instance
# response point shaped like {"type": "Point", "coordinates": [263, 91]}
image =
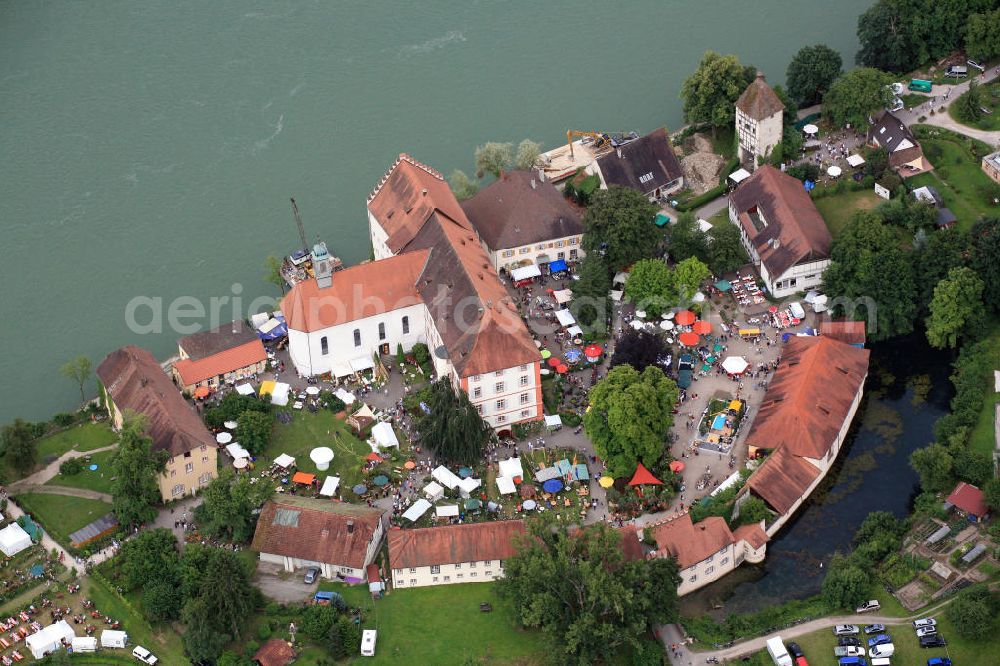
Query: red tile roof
{"type": "Point", "coordinates": [373, 573]}
{"type": "Point", "coordinates": [632, 548]}
{"type": "Point", "coordinates": [969, 499]}
{"type": "Point", "coordinates": [753, 534]}
{"type": "Point", "coordinates": [759, 101]}
{"type": "Point", "coordinates": [217, 365]}
{"type": "Point", "coordinates": [691, 543]}
{"type": "Point", "coordinates": [136, 382]}
{"type": "Point", "coordinates": [275, 652]}
{"type": "Point", "coordinates": [849, 332]}
{"type": "Point", "coordinates": [782, 479]}
{"type": "Point", "coordinates": [317, 530]}
{"type": "Point", "coordinates": [451, 544]}
{"type": "Point", "coordinates": [364, 290]}
{"type": "Point", "coordinates": [795, 231]}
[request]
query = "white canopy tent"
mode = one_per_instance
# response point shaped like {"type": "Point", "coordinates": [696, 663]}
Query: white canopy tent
{"type": "Point", "coordinates": [855, 160]}
{"type": "Point", "coordinates": [735, 365]}
{"type": "Point", "coordinates": [616, 295]}
{"type": "Point", "coordinates": [269, 325]}
{"type": "Point", "coordinates": [418, 509]}
{"type": "Point", "coordinates": [236, 451]}
{"type": "Point", "coordinates": [49, 639]}
{"type": "Point", "coordinates": [259, 319]}
{"type": "Point", "coordinates": [384, 435]}
{"type": "Point", "coordinates": [446, 511]}
{"type": "Point", "coordinates": [345, 396]}
{"type": "Point", "coordinates": [834, 171]}
{"type": "Point", "coordinates": [511, 468]}
{"type": "Point", "coordinates": [279, 396]}
{"type": "Point", "coordinates": [704, 225]}
{"type": "Point", "coordinates": [244, 389]}
{"type": "Point", "coordinates": [699, 297]}
{"type": "Point", "coordinates": [547, 473]}
{"type": "Point", "coordinates": [362, 363]}
{"type": "Point", "coordinates": [563, 296]}
{"type": "Point", "coordinates": [565, 317]}
{"type": "Point", "coordinates": [739, 176]}
{"type": "Point", "coordinates": [553, 421]}
{"type": "Point", "coordinates": [284, 461]}
{"type": "Point", "coordinates": [224, 437]}
{"type": "Point", "coordinates": [819, 303]}
{"type": "Point", "coordinates": [525, 272]}
{"type": "Point", "coordinates": [466, 486]}
{"type": "Point", "coordinates": [575, 331]}
{"type": "Point", "coordinates": [620, 278]}
{"type": "Point", "coordinates": [330, 486]}
{"type": "Point", "coordinates": [506, 485]}
{"type": "Point", "coordinates": [446, 477]}
{"type": "Point", "coordinates": [13, 539]}
{"type": "Point", "coordinates": [341, 369]}
{"type": "Point", "coordinates": [433, 491]}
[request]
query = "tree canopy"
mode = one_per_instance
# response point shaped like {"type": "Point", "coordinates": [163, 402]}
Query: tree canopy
{"type": "Point", "coordinates": [688, 276]}
{"type": "Point", "coordinates": [811, 72]}
{"type": "Point", "coordinates": [79, 371]}
{"type": "Point", "coordinates": [462, 186]}
{"type": "Point", "coordinates": [846, 584]}
{"type": "Point", "coordinates": [985, 259]}
{"type": "Point", "coordinates": [982, 35]}
{"type": "Point", "coordinates": [630, 417]}
{"type": "Point", "coordinates": [618, 225]}
{"type": "Point", "coordinates": [969, 105]}
{"type": "Point", "coordinates": [856, 96]}
{"type": "Point", "coordinates": [272, 272]}
{"type": "Point", "coordinates": [453, 429]}
{"type": "Point", "coordinates": [651, 286]}
{"type": "Point", "coordinates": [725, 249]}
{"type": "Point", "coordinates": [934, 465]}
{"type": "Point", "coordinates": [18, 441]}
{"type": "Point", "coordinates": [588, 599]}
{"type": "Point", "coordinates": [493, 158]}
{"type": "Point", "coordinates": [590, 294]}
{"type": "Point", "coordinates": [227, 510]}
{"type": "Point", "coordinates": [231, 407]}
{"type": "Point", "coordinates": [973, 613]}
{"type": "Point", "coordinates": [527, 154]}
{"type": "Point", "coordinates": [639, 349]}
{"type": "Point", "coordinates": [956, 308]}
{"type": "Point", "coordinates": [710, 93]}
{"type": "Point", "coordinates": [254, 430]}
{"type": "Point", "coordinates": [685, 239]}
{"type": "Point", "coordinates": [136, 469]}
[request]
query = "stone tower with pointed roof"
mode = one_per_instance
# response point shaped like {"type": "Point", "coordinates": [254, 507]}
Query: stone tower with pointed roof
{"type": "Point", "coordinates": [758, 121]}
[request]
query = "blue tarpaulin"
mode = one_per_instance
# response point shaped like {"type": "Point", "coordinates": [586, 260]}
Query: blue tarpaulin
{"type": "Point", "coordinates": [557, 266]}
{"type": "Point", "coordinates": [279, 331]}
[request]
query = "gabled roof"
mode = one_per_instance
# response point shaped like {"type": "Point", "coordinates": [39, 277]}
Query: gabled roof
{"type": "Point", "coordinates": [364, 290]}
{"type": "Point", "coordinates": [891, 133]}
{"type": "Point", "coordinates": [632, 548]}
{"type": "Point", "coordinates": [275, 652]}
{"type": "Point", "coordinates": [793, 230]}
{"type": "Point", "coordinates": [136, 382]}
{"type": "Point", "coordinates": [849, 332]}
{"type": "Point", "coordinates": [645, 164]}
{"type": "Point", "coordinates": [316, 530]}
{"type": "Point", "coordinates": [518, 209]}
{"type": "Point", "coordinates": [753, 534]}
{"type": "Point", "coordinates": [208, 343]}
{"type": "Point", "coordinates": [452, 544]}
{"type": "Point", "coordinates": [759, 101]}
{"type": "Point", "coordinates": [690, 543]}
{"type": "Point", "coordinates": [247, 354]}
{"type": "Point", "coordinates": [809, 396]}
{"type": "Point", "coordinates": [969, 499]}
{"type": "Point", "coordinates": [405, 198]}
{"type": "Point", "coordinates": [782, 479]}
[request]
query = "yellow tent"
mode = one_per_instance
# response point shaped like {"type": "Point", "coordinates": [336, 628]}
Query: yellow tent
{"type": "Point", "coordinates": [735, 405]}
{"type": "Point", "coordinates": [267, 387]}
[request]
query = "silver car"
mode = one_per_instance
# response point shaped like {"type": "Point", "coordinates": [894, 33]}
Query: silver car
{"type": "Point", "coordinates": [312, 573]}
{"type": "Point", "coordinates": [925, 622]}
{"type": "Point", "coordinates": [846, 630]}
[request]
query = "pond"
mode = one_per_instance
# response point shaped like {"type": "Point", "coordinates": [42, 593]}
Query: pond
{"type": "Point", "coordinates": [907, 391]}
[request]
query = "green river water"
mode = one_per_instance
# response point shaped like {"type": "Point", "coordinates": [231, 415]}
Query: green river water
{"type": "Point", "coordinates": [149, 149]}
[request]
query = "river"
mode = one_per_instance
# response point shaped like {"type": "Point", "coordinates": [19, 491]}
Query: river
{"type": "Point", "coordinates": [907, 391]}
{"type": "Point", "coordinates": [150, 148]}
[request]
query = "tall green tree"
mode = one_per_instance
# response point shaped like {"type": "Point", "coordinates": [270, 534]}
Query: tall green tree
{"type": "Point", "coordinates": [956, 309]}
{"type": "Point", "coordinates": [462, 186]}
{"type": "Point", "coordinates": [974, 467]}
{"type": "Point", "coordinates": [136, 468]}
{"type": "Point", "coordinates": [630, 417]}
{"type": "Point", "coordinates": [453, 430]}
{"type": "Point", "coordinates": [985, 259]}
{"type": "Point", "coordinates": [202, 642]}
{"type": "Point", "coordinates": [811, 72]}
{"type": "Point", "coordinates": [973, 613]}
{"type": "Point", "coordinates": [527, 154]}
{"type": "Point", "coordinates": [231, 407]}
{"type": "Point", "coordinates": [254, 430]}
{"type": "Point", "coordinates": [619, 227]}
{"type": "Point", "coordinates": [945, 249]}
{"type": "Point", "coordinates": [639, 349]}
{"type": "Point", "coordinates": [18, 443]}
{"type": "Point", "coordinates": [577, 587]}
{"type": "Point", "coordinates": [725, 249]}
{"type": "Point", "coordinates": [493, 158]}
{"type": "Point", "coordinates": [227, 593]}
{"type": "Point", "coordinates": [229, 505]}
{"type": "Point", "coordinates": [846, 584]}
{"type": "Point", "coordinates": [991, 494]}
{"type": "Point", "coordinates": [651, 286]}
{"type": "Point", "coordinates": [969, 105]}
{"type": "Point", "coordinates": [685, 239]}
{"type": "Point", "coordinates": [710, 93]}
{"type": "Point", "coordinates": [856, 96]}
{"type": "Point", "coordinates": [688, 276]}
{"type": "Point", "coordinates": [272, 272]}
{"type": "Point", "coordinates": [591, 305]}
{"type": "Point", "coordinates": [148, 557]}
{"type": "Point", "coordinates": [79, 370]}
{"type": "Point", "coordinates": [982, 35]}
{"type": "Point", "coordinates": [934, 464]}
{"type": "Point", "coordinates": [887, 36]}
{"type": "Point", "coordinates": [870, 269]}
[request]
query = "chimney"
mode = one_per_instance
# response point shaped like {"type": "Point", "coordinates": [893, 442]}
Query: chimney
{"type": "Point", "coordinates": [350, 527]}
{"type": "Point", "coordinates": [541, 175]}
{"type": "Point", "coordinates": [760, 75]}
{"type": "Point", "coordinates": [424, 191]}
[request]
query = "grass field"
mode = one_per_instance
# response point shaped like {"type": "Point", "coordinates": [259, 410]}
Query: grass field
{"type": "Point", "coordinates": [837, 209]}
{"type": "Point", "coordinates": [61, 515]}
{"type": "Point", "coordinates": [957, 175]}
{"type": "Point", "coordinates": [442, 625]}
{"type": "Point", "coordinates": [162, 641]}
{"type": "Point", "coordinates": [99, 479]}
{"type": "Point", "coordinates": [983, 436]}
{"type": "Point", "coordinates": [991, 100]}
{"type": "Point", "coordinates": [86, 437]}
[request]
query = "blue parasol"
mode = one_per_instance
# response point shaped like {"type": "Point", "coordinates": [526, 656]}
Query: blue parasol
{"type": "Point", "coordinates": [573, 355]}
{"type": "Point", "coordinates": [380, 480]}
{"type": "Point", "coordinates": [464, 472]}
{"type": "Point", "coordinates": [552, 486]}
{"type": "Point", "coordinates": [360, 489]}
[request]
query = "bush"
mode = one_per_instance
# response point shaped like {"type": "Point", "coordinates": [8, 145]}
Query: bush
{"type": "Point", "coordinates": [71, 467]}
{"type": "Point", "coordinates": [702, 199]}
{"type": "Point", "coordinates": [570, 419]}
{"type": "Point", "coordinates": [522, 431]}
{"type": "Point", "coordinates": [421, 353]}
{"type": "Point", "coordinates": [264, 631]}
{"type": "Point", "coordinates": [64, 419]}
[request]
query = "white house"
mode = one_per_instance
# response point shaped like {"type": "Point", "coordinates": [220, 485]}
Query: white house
{"type": "Point", "coordinates": [337, 538]}
{"type": "Point", "coordinates": [432, 282]}
{"type": "Point", "coordinates": [781, 230]}
{"type": "Point", "coordinates": [906, 157]}
{"type": "Point", "coordinates": [465, 553]}
{"type": "Point", "coordinates": [758, 121]}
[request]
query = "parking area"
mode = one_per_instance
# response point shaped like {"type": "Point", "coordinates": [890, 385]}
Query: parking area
{"type": "Point", "coordinates": [281, 586]}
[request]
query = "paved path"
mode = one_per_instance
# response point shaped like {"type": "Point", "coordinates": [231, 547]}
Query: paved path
{"type": "Point", "coordinates": [712, 207]}
{"type": "Point", "coordinates": [63, 490]}
{"type": "Point", "coordinates": [48, 542]}
{"type": "Point", "coordinates": [940, 106]}
{"type": "Point", "coordinates": [51, 470]}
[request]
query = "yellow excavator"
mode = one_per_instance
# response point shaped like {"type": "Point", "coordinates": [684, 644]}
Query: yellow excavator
{"type": "Point", "coordinates": [602, 141]}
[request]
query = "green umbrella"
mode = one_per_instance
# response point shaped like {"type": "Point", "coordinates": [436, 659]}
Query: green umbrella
{"type": "Point", "coordinates": [717, 348]}
{"type": "Point", "coordinates": [546, 353]}
{"type": "Point", "coordinates": [710, 359]}
{"type": "Point", "coordinates": [380, 480]}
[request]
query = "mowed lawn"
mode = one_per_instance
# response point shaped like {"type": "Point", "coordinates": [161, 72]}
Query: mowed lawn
{"type": "Point", "coordinates": [983, 437]}
{"type": "Point", "coordinates": [959, 178]}
{"type": "Point", "coordinates": [838, 209]}
{"type": "Point", "coordinates": [99, 479]}
{"type": "Point", "coordinates": [86, 437]}
{"type": "Point", "coordinates": [161, 640]}
{"type": "Point", "coordinates": [61, 515]}
{"type": "Point", "coordinates": [443, 625]}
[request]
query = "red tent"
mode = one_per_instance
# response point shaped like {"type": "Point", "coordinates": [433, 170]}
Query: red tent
{"type": "Point", "coordinates": [643, 477]}
{"type": "Point", "coordinates": [303, 478]}
{"type": "Point", "coordinates": [684, 318]}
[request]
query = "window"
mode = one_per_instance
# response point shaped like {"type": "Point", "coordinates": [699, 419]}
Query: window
{"type": "Point", "coordinates": [459, 575]}
{"type": "Point", "coordinates": [525, 413]}
{"type": "Point", "coordinates": [472, 575]}
{"type": "Point", "coordinates": [447, 579]}
{"type": "Point", "coordinates": [540, 246]}
{"type": "Point", "coordinates": [709, 570]}
{"type": "Point", "coordinates": [709, 558]}
{"type": "Point", "coordinates": [498, 388]}
{"type": "Point", "coordinates": [406, 325]}
{"type": "Point", "coordinates": [477, 392]}
{"type": "Point", "coordinates": [413, 581]}
{"type": "Point", "coordinates": [560, 255]}
{"type": "Point", "coordinates": [525, 398]}
{"type": "Point", "coordinates": [574, 255]}
{"type": "Point", "coordinates": [574, 240]}
{"type": "Point", "coordinates": [559, 243]}
{"type": "Point", "coordinates": [177, 490]}
{"type": "Point", "coordinates": [173, 473]}
{"type": "Point", "coordinates": [381, 331]}
{"type": "Point", "coordinates": [523, 368]}
{"type": "Point", "coordinates": [479, 408]}
{"type": "Point", "coordinates": [401, 583]}
{"type": "Point", "coordinates": [413, 570]}
{"type": "Point", "coordinates": [324, 346]}
{"type": "Point", "coordinates": [692, 579]}
{"type": "Point", "coordinates": [811, 277]}
{"type": "Point", "coordinates": [501, 419]}
{"type": "Point", "coordinates": [525, 250]}
{"type": "Point", "coordinates": [472, 565]}
{"type": "Point", "coordinates": [458, 566]}
{"type": "Point", "coordinates": [347, 569]}
{"type": "Point", "coordinates": [489, 573]}
{"type": "Point", "coordinates": [508, 253]}
{"type": "Point", "coordinates": [500, 405]}
{"type": "Point", "coordinates": [436, 569]}
{"type": "Point", "coordinates": [435, 579]}
{"type": "Point", "coordinates": [524, 380]}
{"type": "Point", "coordinates": [488, 562]}
{"type": "Point", "coordinates": [498, 373]}
{"type": "Point", "coordinates": [204, 459]}
{"type": "Point", "coordinates": [203, 447]}
{"type": "Point", "coordinates": [205, 479]}
{"type": "Point", "coordinates": [724, 560]}
{"type": "Point", "coordinates": [474, 378]}
{"type": "Point", "coordinates": [357, 337]}
{"type": "Point", "coordinates": [188, 468]}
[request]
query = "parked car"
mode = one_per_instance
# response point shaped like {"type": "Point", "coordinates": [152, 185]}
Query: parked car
{"type": "Point", "coordinates": [939, 661]}
{"type": "Point", "coordinates": [883, 651]}
{"type": "Point", "coordinates": [874, 628]}
{"type": "Point", "coordinates": [848, 651]}
{"type": "Point", "coordinates": [973, 63]}
{"type": "Point", "coordinates": [801, 661]}
{"type": "Point", "coordinates": [868, 606]}
{"type": "Point", "coordinates": [957, 71]}
{"type": "Point", "coordinates": [845, 630]}
{"type": "Point", "coordinates": [144, 655]}
{"type": "Point", "coordinates": [925, 622]}
{"type": "Point", "coordinates": [847, 641]}
{"type": "Point", "coordinates": [933, 641]}
{"type": "Point", "coordinates": [926, 631]}
{"type": "Point", "coordinates": [794, 649]}
{"type": "Point", "coordinates": [881, 639]}
{"type": "Point", "coordinates": [311, 574]}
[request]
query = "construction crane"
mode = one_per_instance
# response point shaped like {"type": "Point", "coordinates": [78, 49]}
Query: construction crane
{"type": "Point", "coordinates": [298, 223]}
{"type": "Point", "coordinates": [599, 139]}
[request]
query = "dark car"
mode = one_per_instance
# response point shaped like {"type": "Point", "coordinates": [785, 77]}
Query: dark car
{"type": "Point", "coordinates": [881, 639]}
{"type": "Point", "coordinates": [795, 650]}
{"type": "Point", "coordinates": [933, 641]}
{"type": "Point", "coordinates": [874, 628]}
{"type": "Point", "coordinates": [848, 641]}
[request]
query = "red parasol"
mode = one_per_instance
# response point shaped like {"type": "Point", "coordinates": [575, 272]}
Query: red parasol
{"type": "Point", "coordinates": [676, 466]}
{"type": "Point", "coordinates": [773, 309]}
{"type": "Point", "coordinates": [593, 350]}
{"type": "Point", "coordinates": [702, 327]}
{"type": "Point", "coordinates": [554, 362]}
{"type": "Point", "coordinates": [201, 392]}
{"type": "Point", "coordinates": [409, 464]}
{"type": "Point", "coordinates": [688, 339]}
{"type": "Point", "coordinates": [684, 318]}
{"type": "Point", "coordinates": [562, 369]}
{"type": "Point", "coordinates": [373, 457]}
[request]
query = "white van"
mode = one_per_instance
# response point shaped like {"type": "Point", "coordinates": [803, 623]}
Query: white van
{"type": "Point", "coordinates": [796, 309]}
{"type": "Point", "coordinates": [884, 650]}
{"type": "Point", "coordinates": [881, 661]}
{"type": "Point", "coordinates": [144, 655]}
{"type": "Point", "coordinates": [368, 638]}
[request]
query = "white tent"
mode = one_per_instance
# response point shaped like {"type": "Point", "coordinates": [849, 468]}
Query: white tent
{"type": "Point", "coordinates": [269, 325]}
{"type": "Point", "coordinates": [547, 473]}
{"type": "Point", "coordinates": [855, 160]}
{"type": "Point", "coordinates": [49, 639]}
{"type": "Point", "coordinates": [468, 485]}
{"type": "Point", "coordinates": [525, 272]}
{"type": "Point", "coordinates": [433, 491]}
{"type": "Point", "coordinates": [739, 176]}
{"type": "Point", "coordinates": [616, 295]}
{"type": "Point", "coordinates": [447, 511]}
{"type": "Point", "coordinates": [384, 435]}
{"type": "Point", "coordinates": [552, 421]}
{"type": "Point", "coordinates": [114, 638]}
{"type": "Point", "coordinates": [362, 363]}
{"type": "Point", "coordinates": [819, 303]}
{"type": "Point", "coordinates": [13, 539]}
{"type": "Point", "coordinates": [279, 396]}
{"type": "Point", "coordinates": [575, 331]}
{"type": "Point", "coordinates": [506, 485]}
{"type": "Point", "coordinates": [620, 278]}
{"type": "Point", "coordinates": [563, 296]}
{"type": "Point", "coordinates": [345, 396]}
{"type": "Point", "coordinates": [446, 477]}
{"type": "Point", "coordinates": [330, 486]}
{"type": "Point", "coordinates": [511, 468]}
{"type": "Point", "coordinates": [704, 225]}
{"type": "Point", "coordinates": [284, 460]}
{"type": "Point", "coordinates": [84, 644]}
{"type": "Point", "coordinates": [236, 451]}
{"type": "Point", "coordinates": [418, 509]}
{"type": "Point", "coordinates": [698, 297]}
{"type": "Point", "coordinates": [339, 370]}
{"type": "Point", "coordinates": [244, 389]}
{"type": "Point", "coordinates": [224, 437]}
{"type": "Point", "coordinates": [735, 365]}
{"type": "Point", "coordinates": [259, 319]}
{"type": "Point", "coordinates": [565, 317]}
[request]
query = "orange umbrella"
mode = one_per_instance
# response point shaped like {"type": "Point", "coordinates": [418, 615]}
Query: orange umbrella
{"type": "Point", "coordinates": [409, 464]}
{"type": "Point", "coordinates": [676, 466]}
{"type": "Point", "coordinates": [562, 369]}
{"type": "Point", "coordinates": [702, 327]}
{"type": "Point", "coordinates": [201, 392]}
{"type": "Point", "coordinates": [373, 457]}
{"type": "Point", "coordinates": [688, 339]}
{"type": "Point", "coordinates": [554, 362]}
{"type": "Point", "coordinates": [684, 318]}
